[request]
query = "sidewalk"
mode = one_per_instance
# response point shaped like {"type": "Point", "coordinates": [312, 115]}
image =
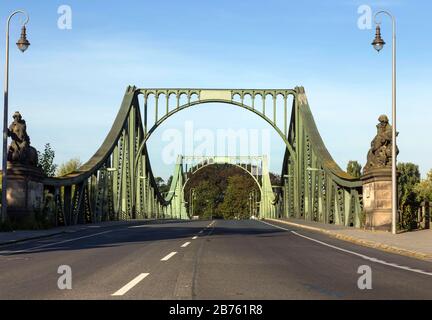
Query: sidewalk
{"type": "Point", "coordinates": [416, 244]}
{"type": "Point", "coordinates": [24, 235]}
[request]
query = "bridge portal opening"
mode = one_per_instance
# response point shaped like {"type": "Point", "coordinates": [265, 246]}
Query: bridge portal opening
{"type": "Point", "coordinates": [222, 191]}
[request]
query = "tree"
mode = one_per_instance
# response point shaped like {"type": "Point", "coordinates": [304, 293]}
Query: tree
{"type": "Point", "coordinates": [423, 189]}
{"type": "Point", "coordinates": [162, 186]}
{"type": "Point", "coordinates": [169, 181]}
{"type": "Point", "coordinates": [68, 167]}
{"type": "Point", "coordinates": [205, 200]}
{"type": "Point", "coordinates": [46, 159]}
{"type": "Point", "coordinates": [275, 179]}
{"type": "Point", "coordinates": [236, 202]}
{"type": "Point", "coordinates": [159, 181]}
{"type": "Point", "coordinates": [409, 177]}
{"type": "Point", "coordinates": [354, 168]}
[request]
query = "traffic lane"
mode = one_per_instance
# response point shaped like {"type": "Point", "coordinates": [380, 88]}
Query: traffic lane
{"type": "Point", "coordinates": [99, 264]}
{"type": "Point", "coordinates": [174, 278]}
{"type": "Point", "coordinates": [341, 268]}
{"type": "Point", "coordinates": [234, 264]}
{"type": "Point", "coordinates": [400, 260]}
{"type": "Point", "coordinates": [282, 265]}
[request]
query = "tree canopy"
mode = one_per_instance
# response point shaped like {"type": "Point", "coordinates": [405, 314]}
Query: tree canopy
{"type": "Point", "coordinates": [354, 168]}
{"type": "Point", "coordinates": [46, 160]}
{"type": "Point", "coordinates": [221, 191]}
{"type": "Point", "coordinates": [68, 167]}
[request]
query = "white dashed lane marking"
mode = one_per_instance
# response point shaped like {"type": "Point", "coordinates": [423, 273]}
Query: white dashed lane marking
{"type": "Point", "coordinates": [168, 256]}
{"type": "Point", "coordinates": [130, 285]}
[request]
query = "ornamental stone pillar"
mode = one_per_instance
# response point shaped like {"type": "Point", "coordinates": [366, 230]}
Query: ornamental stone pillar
{"type": "Point", "coordinates": [377, 179]}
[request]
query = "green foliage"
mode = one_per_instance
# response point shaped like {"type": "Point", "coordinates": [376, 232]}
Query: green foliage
{"type": "Point", "coordinates": [69, 167]}
{"type": "Point", "coordinates": [275, 179]}
{"type": "Point", "coordinates": [354, 168]}
{"type": "Point", "coordinates": [206, 200]}
{"type": "Point", "coordinates": [212, 189]}
{"type": "Point", "coordinates": [423, 189]}
{"type": "Point", "coordinates": [159, 181]}
{"type": "Point", "coordinates": [163, 187]}
{"type": "Point", "coordinates": [46, 161]}
{"type": "Point", "coordinates": [236, 203]}
{"type": "Point", "coordinates": [409, 177]}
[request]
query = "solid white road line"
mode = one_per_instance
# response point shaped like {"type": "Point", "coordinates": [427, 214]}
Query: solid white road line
{"type": "Point", "coordinates": [184, 245]}
{"type": "Point", "coordinates": [194, 237]}
{"type": "Point", "coordinates": [272, 225]}
{"type": "Point", "coordinates": [168, 256]}
{"type": "Point", "coordinates": [138, 226]}
{"type": "Point", "coordinates": [130, 285]}
{"type": "Point", "coordinates": [394, 265]}
{"type": "Point", "coordinates": [54, 243]}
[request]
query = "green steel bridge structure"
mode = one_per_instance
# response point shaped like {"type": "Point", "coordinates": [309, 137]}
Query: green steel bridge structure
{"type": "Point", "coordinates": [117, 182]}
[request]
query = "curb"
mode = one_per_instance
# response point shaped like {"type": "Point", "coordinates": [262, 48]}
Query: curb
{"type": "Point", "coordinates": [364, 243]}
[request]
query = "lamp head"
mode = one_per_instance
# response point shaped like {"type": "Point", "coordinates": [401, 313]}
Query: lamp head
{"type": "Point", "coordinates": [23, 43]}
{"type": "Point", "coordinates": [378, 42]}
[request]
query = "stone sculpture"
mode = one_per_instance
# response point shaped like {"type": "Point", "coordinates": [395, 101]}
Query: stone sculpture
{"type": "Point", "coordinates": [20, 150]}
{"type": "Point", "coordinates": [380, 153]}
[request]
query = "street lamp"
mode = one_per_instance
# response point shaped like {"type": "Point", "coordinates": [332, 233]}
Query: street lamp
{"type": "Point", "coordinates": [250, 205]}
{"type": "Point", "coordinates": [378, 44]}
{"type": "Point", "coordinates": [191, 200]}
{"type": "Point", "coordinates": [22, 45]}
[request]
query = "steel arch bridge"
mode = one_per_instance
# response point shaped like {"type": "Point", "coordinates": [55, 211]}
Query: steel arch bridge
{"type": "Point", "coordinates": [117, 182]}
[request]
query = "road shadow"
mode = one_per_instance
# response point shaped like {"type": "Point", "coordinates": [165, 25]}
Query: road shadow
{"type": "Point", "coordinates": [150, 231]}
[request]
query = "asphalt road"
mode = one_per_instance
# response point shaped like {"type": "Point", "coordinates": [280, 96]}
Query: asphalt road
{"type": "Point", "coordinates": [206, 260]}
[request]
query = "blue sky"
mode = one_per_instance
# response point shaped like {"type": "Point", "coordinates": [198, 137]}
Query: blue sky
{"type": "Point", "coordinates": [70, 83]}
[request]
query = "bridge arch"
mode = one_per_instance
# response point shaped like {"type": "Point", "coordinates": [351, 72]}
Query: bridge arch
{"type": "Point", "coordinates": [218, 96]}
{"type": "Point", "coordinates": [119, 175]}
{"type": "Point", "coordinates": [232, 164]}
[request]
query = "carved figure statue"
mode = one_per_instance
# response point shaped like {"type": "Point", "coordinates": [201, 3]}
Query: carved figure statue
{"type": "Point", "coordinates": [20, 150]}
{"type": "Point", "coordinates": [380, 153]}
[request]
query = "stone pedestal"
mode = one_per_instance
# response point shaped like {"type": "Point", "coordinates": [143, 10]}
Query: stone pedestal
{"type": "Point", "coordinates": [377, 199]}
{"type": "Point", "coordinates": [24, 191]}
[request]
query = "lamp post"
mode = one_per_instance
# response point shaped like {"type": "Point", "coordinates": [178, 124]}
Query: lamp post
{"type": "Point", "coordinates": [22, 44]}
{"type": "Point", "coordinates": [191, 200]}
{"type": "Point", "coordinates": [285, 190]}
{"type": "Point", "coordinates": [250, 205]}
{"type": "Point", "coordinates": [378, 43]}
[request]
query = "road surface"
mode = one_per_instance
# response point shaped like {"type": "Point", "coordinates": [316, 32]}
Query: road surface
{"type": "Point", "coordinates": [216, 259]}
